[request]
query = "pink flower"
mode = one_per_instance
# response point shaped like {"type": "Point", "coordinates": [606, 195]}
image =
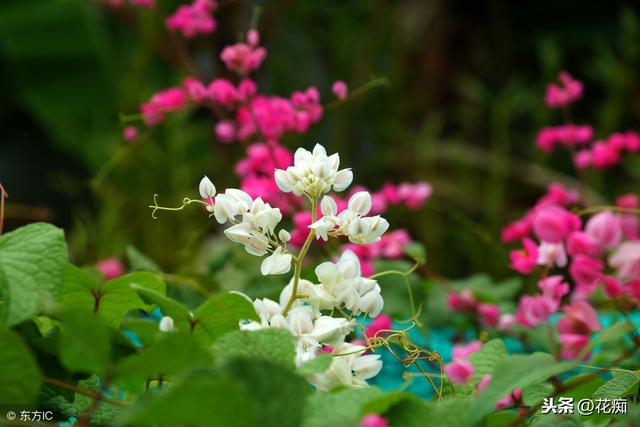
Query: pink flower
{"type": "Point", "coordinates": [612, 287]}
{"type": "Point", "coordinates": [193, 19]}
{"type": "Point", "coordinates": [551, 254]}
{"type": "Point", "coordinates": [553, 223]}
{"type": "Point", "coordinates": [242, 58]}
{"type": "Point", "coordinates": [509, 400]}
{"type": "Point", "coordinates": [373, 420]}
{"type": "Point", "coordinates": [462, 301]}
{"type": "Point", "coordinates": [554, 288]}
{"type": "Point", "coordinates": [583, 159]}
{"type": "Point", "coordinates": [534, 310]}
{"type": "Point", "coordinates": [464, 351]}
{"type": "Point", "coordinates": [516, 230]}
{"type": "Point", "coordinates": [225, 131]}
{"type": "Point", "coordinates": [585, 270]}
{"type": "Point", "coordinates": [394, 243]}
{"type": "Point", "coordinates": [390, 193]}
{"type": "Point", "coordinates": [110, 268]}
{"type": "Point", "coordinates": [580, 243]}
{"type": "Point", "coordinates": [414, 195]}
{"type": "Point", "coordinates": [524, 260]}
{"type": "Point", "coordinates": [506, 321]}
{"type": "Point", "coordinates": [223, 92]}
{"type": "Point", "coordinates": [380, 323]}
{"type": "Point", "coordinates": [626, 261]}
{"type": "Point", "coordinates": [459, 371]}
{"type": "Point", "coordinates": [604, 155]}
{"type": "Point", "coordinates": [605, 229]}
{"type": "Point", "coordinates": [130, 133]}
{"type": "Point", "coordinates": [168, 100]}
{"type": "Point", "coordinates": [339, 89]}
{"type": "Point", "coordinates": [557, 194]}
{"type": "Point", "coordinates": [567, 92]}
{"type": "Point", "coordinates": [579, 322]}
{"type": "Point", "coordinates": [489, 314]}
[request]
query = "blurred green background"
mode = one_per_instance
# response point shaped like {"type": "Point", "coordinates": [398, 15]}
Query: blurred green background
{"type": "Point", "coordinates": [464, 103]}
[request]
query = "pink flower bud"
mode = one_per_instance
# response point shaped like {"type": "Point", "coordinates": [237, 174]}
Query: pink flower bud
{"type": "Point", "coordinates": [130, 133]}
{"type": "Point", "coordinates": [339, 89]}
{"type": "Point", "coordinates": [373, 420]}
{"type": "Point", "coordinates": [459, 371]}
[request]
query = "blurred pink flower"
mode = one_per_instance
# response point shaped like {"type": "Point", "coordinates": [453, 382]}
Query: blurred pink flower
{"type": "Point", "coordinates": [373, 420]}
{"type": "Point", "coordinates": [459, 371]}
{"type": "Point", "coordinates": [130, 133]}
{"type": "Point", "coordinates": [380, 323]}
{"type": "Point", "coordinates": [110, 267]}
{"type": "Point", "coordinates": [339, 89]}
{"type": "Point", "coordinates": [524, 260]}
{"type": "Point", "coordinates": [193, 19]}
{"type": "Point", "coordinates": [567, 92]}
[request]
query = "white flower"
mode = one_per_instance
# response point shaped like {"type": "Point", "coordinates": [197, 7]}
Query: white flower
{"type": "Point", "coordinates": [276, 263]}
{"type": "Point", "coordinates": [367, 230]}
{"type": "Point", "coordinates": [552, 253]}
{"type": "Point", "coordinates": [232, 203]}
{"type": "Point", "coordinates": [313, 173]}
{"type": "Point", "coordinates": [328, 206]}
{"type": "Point", "coordinates": [284, 236]}
{"type": "Point", "coordinates": [166, 324]}
{"type": "Point", "coordinates": [262, 216]}
{"type": "Point", "coordinates": [254, 242]}
{"type": "Point", "coordinates": [349, 367]}
{"type": "Point", "coordinates": [266, 309]}
{"type": "Point", "coordinates": [300, 320]}
{"type": "Point", "coordinates": [367, 366]}
{"type": "Point", "coordinates": [330, 330]}
{"type": "Point", "coordinates": [360, 203]}
{"type": "Point", "coordinates": [207, 189]}
{"type": "Point", "coordinates": [371, 303]}
{"type": "Point", "coordinates": [322, 227]}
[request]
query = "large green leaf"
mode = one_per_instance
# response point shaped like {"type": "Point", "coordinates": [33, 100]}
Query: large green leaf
{"type": "Point", "coordinates": [487, 358]}
{"type": "Point", "coordinates": [181, 316]}
{"type": "Point", "coordinates": [170, 355]}
{"type": "Point", "coordinates": [277, 394]}
{"type": "Point", "coordinates": [19, 375]}
{"type": "Point", "coordinates": [32, 261]}
{"type": "Point", "coordinates": [272, 344]}
{"type": "Point", "coordinates": [221, 314]}
{"type": "Point", "coordinates": [621, 385]}
{"type": "Point", "coordinates": [85, 343]}
{"type": "Point", "coordinates": [111, 300]}
{"type": "Point", "coordinates": [203, 398]}
{"type": "Point", "coordinates": [516, 372]}
{"type": "Point", "coordinates": [342, 408]}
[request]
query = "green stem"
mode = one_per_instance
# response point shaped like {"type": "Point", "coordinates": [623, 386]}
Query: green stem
{"type": "Point", "coordinates": [397, 272]}
{"type": "Point", "coordinates": [298, 260]}
{"type": "Point", "coordinates": [373, 83]}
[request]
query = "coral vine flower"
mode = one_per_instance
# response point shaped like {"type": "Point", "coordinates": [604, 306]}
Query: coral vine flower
{"type": "Point", "coordinates": [373, 420]}
{"type": "Point", "coordinates": [459, 371]}
{"type": "Point", "coordinates": [579, 322]}
{"type": "Point", "coordinates": [380, 323]}
{"type": "Point", "coordinates": [553, 223]}
{"type": "Point", "coordinates": [524, 260]}
{"type": "Point", "coordinates": [339, 89]}
{"type": "Point", "coordinates": [193, 19]}
{"type": "Point", "coordinates": [110, 268]}
{"type": "Point", "coordinates": [242, 58]}
{"type": "Point", "coordinates": [567, 92]}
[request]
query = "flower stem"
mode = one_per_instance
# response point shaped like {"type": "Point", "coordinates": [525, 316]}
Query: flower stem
{"type": "Point", "coordinates": [300, 258]}
{"type": "Point", "coordinates": [3, 194]}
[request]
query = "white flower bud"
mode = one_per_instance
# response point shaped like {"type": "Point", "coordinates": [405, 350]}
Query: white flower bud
{"type": "Point", "coordinates": [166, 324]}
{"type": "Point", "coordinates": [284, 236]}
{"type": "Point", "coordinates": [367, 366]}
{"type": "Point", "coordinates": [371, 303]}
{"type": "Point", "coordinates": [207, 189]}
{"type": "Point", "coordinates": [360, 203]}
{"type": "Point", "coordinates": [343, 179]}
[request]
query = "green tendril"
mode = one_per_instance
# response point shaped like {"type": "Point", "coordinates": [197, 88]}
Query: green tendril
{"type": "Point", "coordinates": [185, 202]}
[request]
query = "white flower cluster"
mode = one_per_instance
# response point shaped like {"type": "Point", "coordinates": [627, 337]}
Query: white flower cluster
{"type": "Point", "coordinates": [351, 222]}
{"type": "Point", "coordinates": [313, 173]}
{"type": "Point", "coordinates": [303, 306]}
{"type": "Point", "coordinates": [254, 223]}
{"type": "Point", "coordinates": [341, 286]}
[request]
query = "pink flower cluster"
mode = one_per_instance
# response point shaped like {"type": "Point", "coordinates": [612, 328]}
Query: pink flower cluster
{"type": "Point", "coordinates": [488, 314]}
{"type": "Point", "coordinates": [193, 19]}
{"type": "Point", "coordinates": [565, 93]}
{"type": "Point", "coordinates": [579, 322]}
{"type": "Point", "coordinates": [604, 154]}
{"type": "Point", "coordinates": [568, 135]}
{"type": "Point", "coordinates": [536, 309]}
{"type": "Point", "coordinates": [460, 369]}
{"type": "Point", "coordinates": [377, 327]}
{"type": "Point", "coordinates": [168, 100]}
{"type": "Point", "coordinates": [243, 58]}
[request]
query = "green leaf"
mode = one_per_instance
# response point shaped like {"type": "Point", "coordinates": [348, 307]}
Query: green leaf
{"type": "Point", "coordinates": [549, 420]}
{"type": "Point", "coordinates": [399, 408]}
{"type": "Point", "coordinates": [622, 385]}
{"type": "Point", "coordinates": [612, 333]}
{"type": "Point", "coordinates": [19, 374]}
{"type": "Point", "coordinates": [272, 344]}
{"type": "Point", "coordinates": [105, 413]}
{"type": "Point", "coordinates": [316, 365]}
{"type": "Point", "coordinates": [111, 300]}
{"type": "Point", "coordinates": [534, 394]}
{"type": "Point", "coordinates": [32, 262]}
{"type": "Point", "coordinates": [221, 314]}
{"type": "Point", "coordinates": [203, 398]}
{"type": "Point", "coordinates": [84, 342]}
{"type": "Point", "coordinates": [169, 307]}
{"type": "Point", "coordinates": [487, 358]}
{"type": "Point", "coordinates": [516, 372]}
{"type": "Point", "coordinates": [341, 408]}
{"type": "Point", "coordinates": [277, 393]}
{"type": "Point", "coordinates": [450, 412]}
{"type": "Point", "coordinates": [138, 261]}
{"type": "Point", "coordinates": [170, 355]}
